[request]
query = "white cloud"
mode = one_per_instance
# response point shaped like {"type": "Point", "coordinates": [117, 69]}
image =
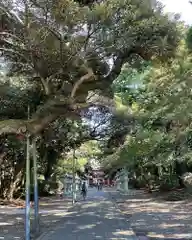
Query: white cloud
{"type": "Point", "coordinates": [179, 6]}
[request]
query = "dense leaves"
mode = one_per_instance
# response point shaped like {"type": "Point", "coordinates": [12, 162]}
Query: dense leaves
{"type": "Point", "coordinates": [69, 67]}
{"type": "Point", "coordinates": [158, 150]}
{"type": "Point", "coordinates": [64, 48]}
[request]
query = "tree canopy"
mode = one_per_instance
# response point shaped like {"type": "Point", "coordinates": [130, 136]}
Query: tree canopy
{"type": "Point", "coordinates": [158, 149]}
{"type": "Point", "coordinates": [110, 79]}
{"type": "Point", "coordinates": [69, 50]}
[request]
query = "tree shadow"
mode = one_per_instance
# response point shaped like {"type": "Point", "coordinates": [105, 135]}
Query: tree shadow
{"type": "Point", "coordinates": [156, 218]}
{"type": "Point", "coordinates": [93, 220]}
{"type": "Point", "coordinates": [12, 220]}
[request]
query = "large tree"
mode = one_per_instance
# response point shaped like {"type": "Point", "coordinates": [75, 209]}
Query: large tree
{"type": "Point", "coordinates": [71, 49]}
{"type": "Point", "coordinates": [158, 150]}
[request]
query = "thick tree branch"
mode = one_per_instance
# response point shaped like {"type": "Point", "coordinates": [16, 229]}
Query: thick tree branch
{"type": "Point", "coordinates": [47, 114]}
{"type": "Point", "coordinates": [12, 15]}
{"type": "Point", "coordinates": [32, 126]}
{"type": "Point", "coordinates": [121, 58]}
{"type": "Point", "coordinates": [7, 34]}
{"type": "Point", "coordinates": [13, 126]}
{"type": "Point", "coordinates": [87, 76]}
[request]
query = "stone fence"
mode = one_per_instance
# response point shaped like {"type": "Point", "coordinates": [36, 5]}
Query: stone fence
{"type": "Point", "coordinates": [67, 181]}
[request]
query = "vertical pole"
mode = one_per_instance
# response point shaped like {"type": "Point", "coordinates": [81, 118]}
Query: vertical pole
{"type": "Point", "coordinates": [36, 197]}
{"type": "Point", "coordinates": [125, 175]}
{"type": "Point", "coordinates": [27, 189]}
{"type": "Point", "coordinates": [73, 186]}
{"type": "Point", "coordinates": [75, 177]}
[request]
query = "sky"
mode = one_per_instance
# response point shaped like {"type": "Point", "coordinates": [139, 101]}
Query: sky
{"type": "Point", "coordinates": [179, 6]}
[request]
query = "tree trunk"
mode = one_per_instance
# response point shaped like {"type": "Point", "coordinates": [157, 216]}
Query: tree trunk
{"type": "Point", "coordinates": [51, 159]}
{"type": "Point", "coordinates": [11, 177]}
{"type": "Point", "coordinates": [14, 185]}
{"type": "Point", "coordinates": [181, 184]}
{"type": "Point", "coordinates": [2, 155]}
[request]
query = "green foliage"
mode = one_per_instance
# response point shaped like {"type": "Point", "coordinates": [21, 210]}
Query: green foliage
{"type": "Point", "coordinates": [82, 154]}
{"type": "Point", "coordinates": [159, 144]}
{"type": "Point", "coordinates": [12, 159]}
{"type": "Point", "coordinates": [58, 52]}
{"type": "Point", "coordinates": [189, 39]}
{"type": "Point", "coordinates": [45, 42]}
{"type": "Point", "coordinates": [47, 188]}
{"type": "Point", "coordinates": [16, 95]}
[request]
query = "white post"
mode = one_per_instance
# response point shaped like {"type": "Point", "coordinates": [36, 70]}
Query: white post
{"type": "Point", "coordinates": [65, 192]}
{"type": "Point", "coordinates": [126, 187]}
{"type": "Point", "coordinates": [118, 182]}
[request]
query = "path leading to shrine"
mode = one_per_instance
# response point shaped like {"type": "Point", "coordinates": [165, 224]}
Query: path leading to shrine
{"type": "Point", "coordinates": [95, 218]}
{"type": "Point", "coordinates": [105, 215]}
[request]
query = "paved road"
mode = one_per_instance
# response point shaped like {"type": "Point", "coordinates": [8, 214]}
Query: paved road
{"type": "Point", "coordinates": [96, 218]}
{"type": "Point", "coordinates": [153, 218]}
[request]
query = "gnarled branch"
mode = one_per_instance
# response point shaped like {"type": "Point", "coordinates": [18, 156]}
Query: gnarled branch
{"type": "Point", "coordinates": [87, 76]}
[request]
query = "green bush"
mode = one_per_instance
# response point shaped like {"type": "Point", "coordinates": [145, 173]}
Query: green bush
{"type": "Point", "coordinates": [137, 183]}
{"type": "Point", "coordinates": [47, 188]}
{"type": "Point", "coordinates": [187, 180]}
{"type": "Point", "coordinates": [168, 182]}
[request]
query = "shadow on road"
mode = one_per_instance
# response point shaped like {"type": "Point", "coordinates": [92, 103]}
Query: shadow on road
{"type": "Point", "coordinates": [96, 218]}
{"type": "Point", "coordinates": [157, 219]}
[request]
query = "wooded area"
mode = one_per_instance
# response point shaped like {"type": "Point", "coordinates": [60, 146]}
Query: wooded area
{"type": "Point", "coordinates": [110, 79]}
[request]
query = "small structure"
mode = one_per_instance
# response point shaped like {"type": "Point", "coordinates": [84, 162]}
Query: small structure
{"type": "Point", "coordinates": [122, 180]}
{"type": "Point", "coordinates": [67, 181]}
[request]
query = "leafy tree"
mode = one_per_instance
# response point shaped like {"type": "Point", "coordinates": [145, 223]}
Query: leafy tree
{"type": "Point", "coordinates": [61, 58]}
{"type": "Point", "coordinates": [12, 166]}
{"type": "Point", "coordinates": [63, 48]}
{"type": "Point", "coordinates": [158, 150]}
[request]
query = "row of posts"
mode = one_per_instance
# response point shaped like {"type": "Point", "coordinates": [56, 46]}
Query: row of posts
{"type": "Point", "coordinates": [75, 186]}
{"type": "Point", "coordinates": [121, 181]}
{"type": "Point", "coordinates": [35, 183]}
{"type": "Point", "coordinates": [71, 188]}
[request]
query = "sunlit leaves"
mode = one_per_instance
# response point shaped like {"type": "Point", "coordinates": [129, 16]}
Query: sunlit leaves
{"type": "Point", "coordinates": [189, 39]}
{"type": "Point", "coordinates": [55, 38]}
{"type": "Point", "coordinates": [164, 102]}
